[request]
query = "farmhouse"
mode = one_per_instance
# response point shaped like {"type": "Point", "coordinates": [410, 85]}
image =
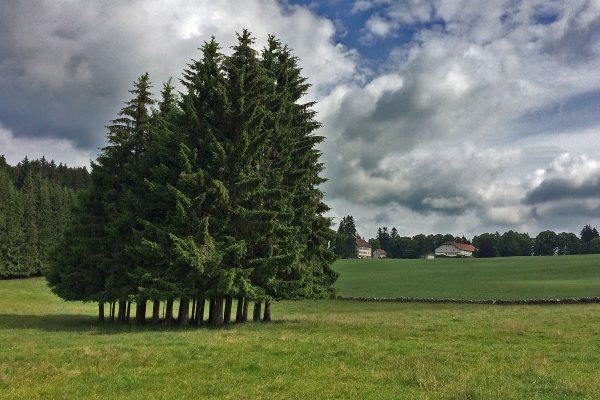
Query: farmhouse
{"type": "Point", "coordinates": [379, 253]}
{"type": "Point", "coordinates": [363, 249]}
{"type": "Point", "coordinates": [451, 249]}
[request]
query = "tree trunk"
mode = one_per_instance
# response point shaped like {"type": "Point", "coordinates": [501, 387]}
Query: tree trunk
{"type": "Point", "coordinates": [257, 307]}
{"type": "Point", "coordinates": [169, 313]}
{"type": "Point", "coordinates": [217, 318]}
{"type": "Point", "coordinates": [193, 316]}
{"type": "Point", "coordinates": [140, 313]}
{"type": "Point", "coordinates": [112, 311]}
{"type": "Point", "coordinates": [128, 312]}
{"type": "Point", "coordinates": [245, 313]}
{"type": "Point", "coordinates": [267, 315]}
{"type": "Point", "coordinates": [239, 315]}
{"type": "Point", "coordinates": [100, 312]}
{"type": "Point", "coordinates": [228, 305]}
{"type": "Point", "coordinates": [184, 311]}
{"type": "Point", "coordinates": [155, 312]}
{"type": "Point", "coordinates": [200, 312]}
{"type": "Point", "coordinates": [211, 310]}
{"type": "Point", "coordinates": [122, 311]}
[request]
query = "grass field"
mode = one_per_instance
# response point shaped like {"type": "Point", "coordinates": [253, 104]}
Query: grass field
{"type": "Point", "coordinates": [472, 278]}
{"type": "Point", "coordinates": [331, 349]}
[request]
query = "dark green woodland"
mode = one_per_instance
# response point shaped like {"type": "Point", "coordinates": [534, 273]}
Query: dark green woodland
{"type": "Point", "coordinates": [35, 207]}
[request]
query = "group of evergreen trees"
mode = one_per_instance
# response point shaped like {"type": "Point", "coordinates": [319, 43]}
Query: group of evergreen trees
{"type": "Point", "coordinates": [35, 206]}
{"type": "Point", "coordinates": [206, 195]}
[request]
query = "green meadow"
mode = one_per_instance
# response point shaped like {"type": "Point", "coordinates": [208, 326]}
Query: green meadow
{"type": "Point", "coordinates": [472, 278]}
{"type": "Point", "coordinates": [331, 349]}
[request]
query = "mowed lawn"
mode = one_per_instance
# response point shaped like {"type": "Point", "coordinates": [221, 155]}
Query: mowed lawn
{"type": "Point", "coordinates": [472, 278]}
{"type": "Point", "coordinates": [330, 349]}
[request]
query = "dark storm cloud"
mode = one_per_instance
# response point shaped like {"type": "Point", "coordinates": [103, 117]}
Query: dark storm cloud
{"type": "Point", "coordinates": [53, 83]}
{"type": "Point", "coordinates": [558, 189]}
{"type": "Point", "coordinates": [65, 69]}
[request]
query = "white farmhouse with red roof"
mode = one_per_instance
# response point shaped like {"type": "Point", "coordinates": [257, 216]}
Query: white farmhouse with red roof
{"type": "Point", "coordinates": [363, 249]}
{"type": "Point", "coordinates": [379, 253]}
{"type": "Point", "coordinates": [451, 249]}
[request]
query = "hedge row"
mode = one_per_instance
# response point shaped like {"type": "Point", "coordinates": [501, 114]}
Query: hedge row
{"type": "Point", "coordinates": [463, 301]}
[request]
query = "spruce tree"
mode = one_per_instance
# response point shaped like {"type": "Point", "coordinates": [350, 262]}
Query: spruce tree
{"type": "Point", "coordinates": [299, 255]}
{"type": "Point", "coordinates": [12, 237]}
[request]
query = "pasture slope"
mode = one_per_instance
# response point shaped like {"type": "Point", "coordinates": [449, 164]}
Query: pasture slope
{"type": "Point", "coordinates": [472, 278]}
{"type": "Point", "coordinates": [50, 349]}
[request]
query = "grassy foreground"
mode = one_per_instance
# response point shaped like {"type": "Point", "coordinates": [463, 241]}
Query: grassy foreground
{"type": "Point", "coordinates": [315, 349]}
{"type": "Point", "coordinates": [472, 278]}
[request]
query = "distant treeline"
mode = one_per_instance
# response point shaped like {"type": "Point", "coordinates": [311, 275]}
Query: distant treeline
{"type": "Point", "coordinates": [35, 205]}
{"type": "Point", "coordinates": [511, 243]}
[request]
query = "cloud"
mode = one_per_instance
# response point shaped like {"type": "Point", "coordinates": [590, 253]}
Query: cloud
{"type": "Point", "coordinates": [378, 27]}
{"type": "Point", "coordinates": [444, 133]}
{"type": "Point", "coordinates": [568, 177]}
{"type": "Point", "coordinates": [65, 67]}
{"type": "Point", "coordinates": [61, 151]}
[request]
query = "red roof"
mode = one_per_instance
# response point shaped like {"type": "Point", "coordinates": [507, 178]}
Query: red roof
{"type": "Point", "coordinates": [460, 246]}
{"type": "Point", "coordinates": [362, 243]}
{"type": "Point", "coordinates": [381, 251]}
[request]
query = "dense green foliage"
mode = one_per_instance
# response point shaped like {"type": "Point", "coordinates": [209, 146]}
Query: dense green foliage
{"type": "Point", "coordinates": [208, 195]}
{"type": "Point", "coordinates": [322, 349]}
{"type": "Point", "coordinates": [75, 178]}
{"type": "Point", "coordinates": [472, 278]}
{"type": "Point", "coordinates": [35, 206]}
{"type": "Point", "coordinates": [345, 240]}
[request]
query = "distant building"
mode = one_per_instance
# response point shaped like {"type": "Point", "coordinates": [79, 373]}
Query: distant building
{"type": "Point", "coordinates": [379, 253]}
{"type": "Point", "coordinates": [363, 249]}
{"type": "Point", "coordinates": [427, 256]}
{"type": "Point", "coordinates": [451, 249]}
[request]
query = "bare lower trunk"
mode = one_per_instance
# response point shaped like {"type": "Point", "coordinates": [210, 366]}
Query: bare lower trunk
{"type": "Point", "coordinates": [169, 313]}
{"type": "Point", "coordinates": [155, 312]}
{"type": "Point", "coordinates": [267, 314]}
{"type": "Point", "coordinates": [257, 307]}
{"type": "Point", "coordinates": [239, 315]}
{"type": "Point", "coordinates": [245, 313]}
{"type": "Point", "coordinates": [140, 312]}
{"type": "Point", "coordinates": [211, 310]}
{"type": "Point", "coordinates": [193, 316]}
{"type": "Point", "coordinates": [112, 311]}
{"type": "Point", "coordinates": [122, 312]}
{"type": "Point", "coordinates": [217, 317]}
{"type": "Point", "coordinates": [184, 311]}
{"type": "Point", "coordinates": [228, 305]}
{"type": "Point", "coordinates": [128, 312]}
{"type": "Point", "coordinates": [200, 312]}
{"type": "Point", "coordinates": [100, 312]}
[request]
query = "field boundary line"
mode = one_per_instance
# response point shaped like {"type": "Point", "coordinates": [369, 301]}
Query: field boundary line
{"type": "Point", "coordinates": [582, 300]}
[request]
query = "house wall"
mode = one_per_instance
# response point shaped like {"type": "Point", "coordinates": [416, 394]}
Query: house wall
{"type": "Point", "coordinates": [451, 251]}
{"type": "Point", "coordinates": [377, 254]}
{"type": "Point", "coordinates": [364, 252]}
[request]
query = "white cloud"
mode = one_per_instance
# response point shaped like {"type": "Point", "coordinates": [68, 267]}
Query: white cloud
{"type": "Point", "coordinates": [62, 151]}
{"type": "Point", "coordinates": [380, 27]}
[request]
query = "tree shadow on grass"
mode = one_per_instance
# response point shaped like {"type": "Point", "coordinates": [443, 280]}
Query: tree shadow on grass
{"type": "Point", "coordinates": [90, 324]}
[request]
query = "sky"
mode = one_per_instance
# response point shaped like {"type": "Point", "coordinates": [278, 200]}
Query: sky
{"type": "Point", "coordinates": [440, 116]}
